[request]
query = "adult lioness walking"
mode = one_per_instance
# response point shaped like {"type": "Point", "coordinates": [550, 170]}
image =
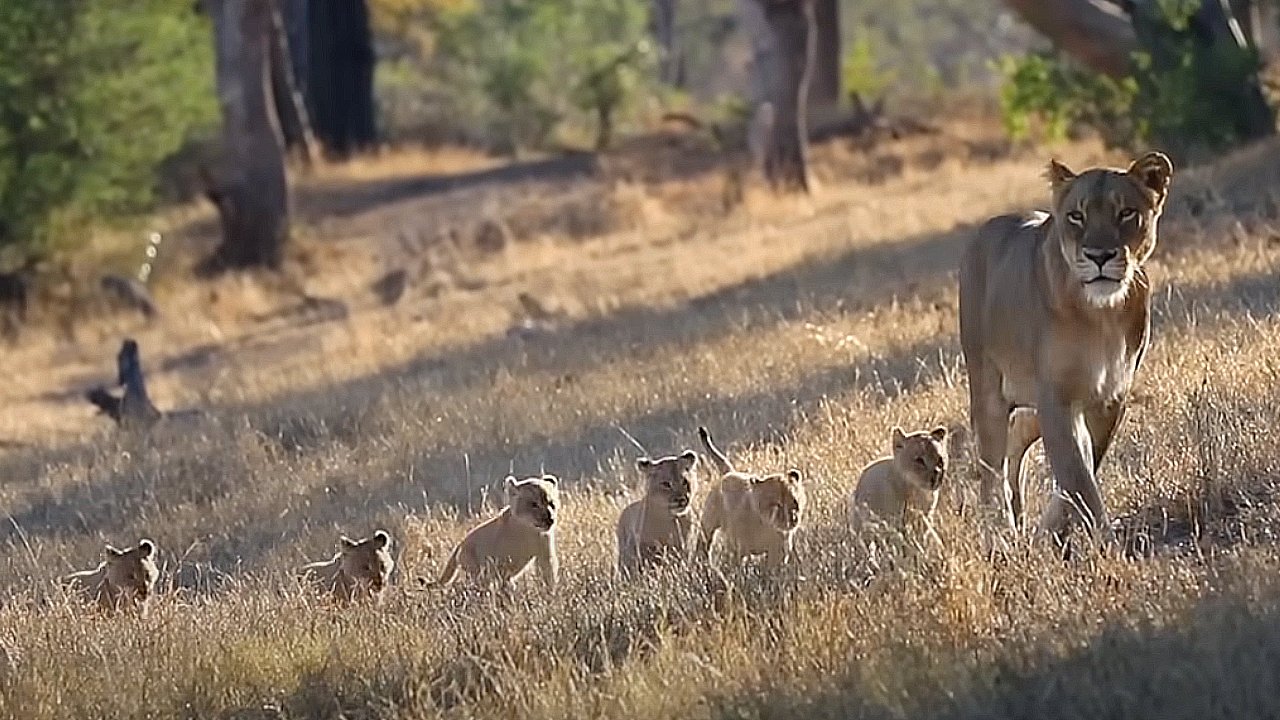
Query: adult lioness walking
{"type": "Point", "coordinates": [1055, 314]}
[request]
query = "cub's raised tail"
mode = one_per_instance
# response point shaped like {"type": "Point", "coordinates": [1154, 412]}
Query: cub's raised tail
{"type": "Point", "coordinates": [447, 575]}
{"type": "Point", "coordinates": [717, 458]}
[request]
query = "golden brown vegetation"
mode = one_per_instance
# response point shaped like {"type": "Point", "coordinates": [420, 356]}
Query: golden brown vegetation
{"type": "Point", "coordinates": [800, 331]}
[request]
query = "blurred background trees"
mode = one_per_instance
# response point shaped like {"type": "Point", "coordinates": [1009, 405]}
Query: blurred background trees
{"type": "Point", "coordinates": [100, 100]}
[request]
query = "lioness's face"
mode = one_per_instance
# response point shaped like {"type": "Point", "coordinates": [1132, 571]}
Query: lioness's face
{"type": "Point", "coordinates": [921, 457]}
{"type": "Point", "coordinates": [670, 479]}
{"type": "Point", "coordinates": [534, 501]}
{"type": "Point", "coordinates": [367, 562]}
{"type": "Point", "coordinates": [779, 499]}
{"type": "Point", "coordinates": [1107, 223]}
{"type": "Point", "coordinates": [134, 570]}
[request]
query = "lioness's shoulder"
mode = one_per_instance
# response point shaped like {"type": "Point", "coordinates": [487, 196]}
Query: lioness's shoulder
{"type": "Point", "coordinates": [1004, 226]}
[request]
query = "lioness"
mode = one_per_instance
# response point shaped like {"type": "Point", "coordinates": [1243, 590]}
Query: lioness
{"type": "Point", "coordinates": [903, 487]}
{"type": "Point", "coordinates": [523, 534]}
{"type": "Point", "coordinates": [659, 525]}
{"type": "Point", "coordinates": [124, 579]}
{"type": "Point", "coordinates": [1055, 314]}
{"type": "Point", "coordinates": [759, 515]}
{"type": "Point", "coordinates": [360, 569]}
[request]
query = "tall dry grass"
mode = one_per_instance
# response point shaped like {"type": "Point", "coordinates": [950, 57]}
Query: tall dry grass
{"type": "Point", "coordinates": [799, 344]}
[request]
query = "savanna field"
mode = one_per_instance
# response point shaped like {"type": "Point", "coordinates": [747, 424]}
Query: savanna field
{"type": "Point", "coordinates": [554, 321]}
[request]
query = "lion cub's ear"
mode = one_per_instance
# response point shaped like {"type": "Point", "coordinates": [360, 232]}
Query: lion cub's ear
{"type": "Point", "coordinates": [1154, 170]}
{"type": "Point", "coordinates": [795, 476]}
{"type": "Point", "coordinates": [509, 484]}
{"type": "Point", "coordinates": [146, 548]}
{"type": "Point", "coordinates": [644, 464]}
{"type": "Point", "coordinates": [689, 459]}
{"type": "Point", "coordinates": [114, 552]}
{"type": "Point", "coordinates": [938, 434]}
{"type": "Point", "coordinates": [551, 479]}
{"type": "Point", "coordinates": [899, 437]}
{"type": "Point", "coordinates": [381, 539]}
{"type": "Point", "coordinates": [1058, 175]}
{"type": "Point", "coordinates": [347, 542]}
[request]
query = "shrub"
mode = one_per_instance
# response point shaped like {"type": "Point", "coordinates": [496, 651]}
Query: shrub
{"type": "Point", "coordinates": [94, 94]}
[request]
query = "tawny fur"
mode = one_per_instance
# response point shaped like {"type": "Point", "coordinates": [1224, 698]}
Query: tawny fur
{"type": "Point", "coordinates": [124, 580]}
{"type": "Point", "coordinates": [659, 526]}
{"type": "Point", "coordinates": [1055, 314]}
{"type": "Point", "coordinates": [361, 570]}
{"type": "Point", "coordinates": [523, 534]}
{"type": "Point", "coordinates": [757, 515]}
{"type": "Point", "coordinates": [902, 488]}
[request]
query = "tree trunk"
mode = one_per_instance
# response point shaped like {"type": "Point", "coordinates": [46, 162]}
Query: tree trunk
{"type": "Point", "coordinates": [662, 22]}
{"type": "Point", "coordinates": [249, 186]}
{"type": "Point", "coordinates": [340, 75]}
{"type": "Point", "coordinates": [790, 24]}
{"type": "Point", "coordinates": [824, 90]}
{"type": "Point", "coordinates": [1094, 32]}
{"type": "Point", "coordinates": [295, 124]}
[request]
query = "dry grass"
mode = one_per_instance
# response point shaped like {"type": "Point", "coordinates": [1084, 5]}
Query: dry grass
{"type": "Point", "coordinates": [799, 333]}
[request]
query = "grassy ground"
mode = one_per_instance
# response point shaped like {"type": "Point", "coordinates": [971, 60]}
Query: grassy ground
{"type": "Point", "coordinates": [799, 331]}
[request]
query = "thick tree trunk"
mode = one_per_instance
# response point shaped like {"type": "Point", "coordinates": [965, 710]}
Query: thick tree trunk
{"type": "Point", "coordinates": [249, 186]}
{"type": "Point", "coordinates": [295, 123]}
{"type": "Point", "coordinates": [824, 90]}
{"type": "Point", "coordinates": [340, 75]}
{"type": "Point", "coordinates": [790, 24]}
{"type": "Point", "coordinates": [662, 23]}
{"type": "Point", "coordinates": [1096, 33]}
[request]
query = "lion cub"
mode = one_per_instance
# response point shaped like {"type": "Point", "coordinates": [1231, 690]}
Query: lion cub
{"type": "Point", "coordinates": [360, 570]}
{"type": "Point", "coordinates": [659, 525]}
{"type": "Point", "coordinates": [503, 547]}
{"type": "Point", "coordinates": [759, 515]}
{"type": "Point", "coordinates": [126, 578]}
{"type": "Point", "coordinates": [903, 487]}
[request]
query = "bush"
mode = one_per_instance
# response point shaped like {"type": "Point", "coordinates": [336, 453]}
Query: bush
{"type": "Point", "coordinates": [513, 73]}
{"type": "Point", "coordinates": [94, 94]}
{"type": "Point", "coordinates": [1184, 95]}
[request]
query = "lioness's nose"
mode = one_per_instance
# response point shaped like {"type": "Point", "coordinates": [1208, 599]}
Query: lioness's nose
{"type": "Point", "coordinates": [1099, 257]}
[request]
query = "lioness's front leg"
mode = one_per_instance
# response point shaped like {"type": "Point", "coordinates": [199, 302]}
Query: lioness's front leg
{"type": "Point", "coordinates": [1069, 449]}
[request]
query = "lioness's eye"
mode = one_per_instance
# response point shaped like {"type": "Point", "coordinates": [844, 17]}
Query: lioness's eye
{"type": "Point", "coordinates": [1127, 214]}
{"type": "Point", "coordinates": [1075, 217]}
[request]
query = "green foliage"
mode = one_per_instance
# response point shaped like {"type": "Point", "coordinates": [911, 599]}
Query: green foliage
{"type": "Point", "coordinates": [1184, 95]}
{"type": "Point", "coordinates": [861, 73]}
{"type": "Point", "coordinates": [94, 94]}
{"type": "Point", "coordinates": [520, 72]}
{"type": "Point", "coordinates": [1043, 94]}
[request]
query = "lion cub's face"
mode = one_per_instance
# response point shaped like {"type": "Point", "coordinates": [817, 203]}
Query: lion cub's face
{"type": "Point", "coordinates": [921, 457]}
{"type": "Point", "coordinates": [534, 501]}
{"type": "Point", "coordinates": [670, 479]}
{"type": "Point", "coordinates": [779, 499]}
{"type": "Point", "coordinates": [1107, 222]}
{"type": "Point", "coordinates": [133, 572]}
{"type": "Point", "coordinates": [367, 563]}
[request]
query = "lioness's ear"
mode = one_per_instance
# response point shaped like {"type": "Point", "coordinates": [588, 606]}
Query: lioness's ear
{"type": "Point", "coordinates": [146, 548]}
{"type": "Point", "coordinates": [551, 479]}
{"type": "Point", "coordinates": [899, 437]}
{"type": "Point", "coordinates": [1058, 175]}
{"type": "Point", "coordinates": [347, 542]}
{"type": "Point", "coordinates": [1154, 170]}
{"type": "Point", "coordinates": [381, 539]}
{"type": "Point", "coordinates": [689, 458]}
{"type": "Point", "coordinates": [939, 433]}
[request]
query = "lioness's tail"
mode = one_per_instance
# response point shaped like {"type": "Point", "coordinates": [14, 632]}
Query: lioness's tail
{"type": "Point", "coordinates": [447, 575]}
{"type": "Point", "coordinates": [717, 458]}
